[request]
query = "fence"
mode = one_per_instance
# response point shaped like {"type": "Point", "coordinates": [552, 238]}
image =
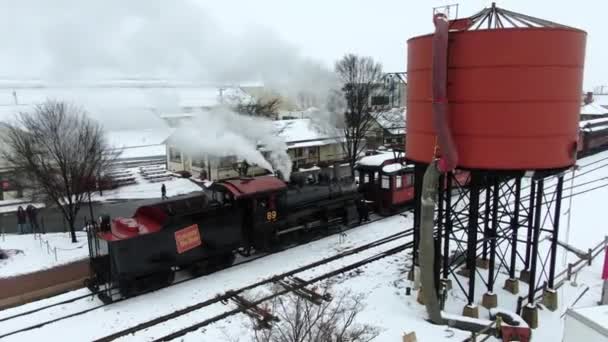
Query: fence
{"type": "Point", "coordinates": [566, 275]}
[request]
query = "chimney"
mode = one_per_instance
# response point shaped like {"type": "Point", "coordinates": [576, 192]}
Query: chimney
{"type": "Point", "coordinates": [588, 98]}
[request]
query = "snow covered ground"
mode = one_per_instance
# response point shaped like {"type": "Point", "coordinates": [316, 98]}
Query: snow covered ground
{"type": "Point", "coordinates": [383, 283]}
{"type": "Point", "coordinates": [29, 254]}
{"type": "Point", "coordinates": [144, 188]}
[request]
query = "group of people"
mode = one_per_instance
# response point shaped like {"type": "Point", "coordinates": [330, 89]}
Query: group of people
{"type": "Point", "coordinates": [27, 219]}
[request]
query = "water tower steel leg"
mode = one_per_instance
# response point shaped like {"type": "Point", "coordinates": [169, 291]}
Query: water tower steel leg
{"type": "Point", "coordinates": [486, 219]}
{"type": "Point", "coordinates": [558, 205]}
{"type": "Point", "coordinates": [515, 227]}
{"type": "Point", "coordinates": [472, 234]}
{"type": "Point", "coordinates": [448, 226]}
{"type": "Point", "coordinates": [530, 224]}
{"type": "Point", "coordinates": [536, 227]}
{"type": "Point", "coordinates": [492, 233]}
{"type": "Point", "coordinates": [418, 175]}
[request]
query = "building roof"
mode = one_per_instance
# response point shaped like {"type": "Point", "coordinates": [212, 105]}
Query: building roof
{"type": "Point", "coordinates": [306, 132]}
{"type": "Point", "coordinates": [138, 144]}
{"type": "Point", "coordinates": [396, 168]}
{"type": "Point", "coordinates": [593, 108]}
{"type": "Point", "coordinates": [595, 317]}
{"type": "Point", "coordinates": [392, 120]}
{"type": "Point", "coordinates": [379, 159]}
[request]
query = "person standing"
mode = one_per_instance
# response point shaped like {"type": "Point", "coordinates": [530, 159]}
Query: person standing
{"type": "Point", "coordinates": [32, 214]}
{"type": "Point", "coordinates": [163, 191]}
{"type": "Point", "coordinates": [21, 219]}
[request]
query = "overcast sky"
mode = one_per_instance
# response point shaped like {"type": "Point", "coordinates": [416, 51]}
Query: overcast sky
{"type": "Point", "coordinates": [242, 39]}
{"type": "Point", "coordinates": [326, 29]}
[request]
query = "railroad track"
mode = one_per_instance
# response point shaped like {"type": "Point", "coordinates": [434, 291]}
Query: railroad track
{"type": "Point", "coordinates": [244, 305]}
{"type": "Point", "coordinates": [81, 297]}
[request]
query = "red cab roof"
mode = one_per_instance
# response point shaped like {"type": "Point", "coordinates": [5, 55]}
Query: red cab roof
{"type": "Point", "coordinates": [251, 186]}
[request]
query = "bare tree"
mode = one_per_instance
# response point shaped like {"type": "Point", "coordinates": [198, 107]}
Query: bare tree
{"type": "Point", "coordinates": [261, 107]}
{"type": "Point", "coordinates": [58, 152]}
{"type": "Point", "coordinates": [300, 320]}
{"type": "Point", "coordinates": [360, 78]}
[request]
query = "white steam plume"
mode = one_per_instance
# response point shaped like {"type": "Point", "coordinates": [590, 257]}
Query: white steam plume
{"type": "Point", "coordinates": [70, 41]}
{"type": "Point", "coordinates": [223, 133]}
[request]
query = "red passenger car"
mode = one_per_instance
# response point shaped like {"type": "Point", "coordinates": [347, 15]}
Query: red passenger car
{"type": "Point", "coordinates": [386, 181]}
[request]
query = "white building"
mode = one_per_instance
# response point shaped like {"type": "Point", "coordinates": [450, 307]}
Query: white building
{"type": "Point", "coordinates": [586, 324]}
{"type": "Point", "coordinates": [308, 145]}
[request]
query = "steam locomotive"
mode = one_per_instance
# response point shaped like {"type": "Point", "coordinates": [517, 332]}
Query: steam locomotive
{"type": "Point", "coordinates": [203, 232]}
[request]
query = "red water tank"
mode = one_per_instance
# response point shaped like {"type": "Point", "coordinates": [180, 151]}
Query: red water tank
{"type": "Point", "coordinates": [514, 97]}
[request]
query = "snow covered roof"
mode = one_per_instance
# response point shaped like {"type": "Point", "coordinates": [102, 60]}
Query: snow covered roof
{"type": "Point", "coordinates": [392, 120]}
{"type": "Point", "coordinates": [378, 159]}
{"type": "Point", "coordinates": [595, 317]}
{"type": "Point", "coordinates": [138, 138]}
{"type": "Point", "coordinates": [305, 132]}
{"type": "Point", "coordinates": [395, 167]}
{"type": "Point", "coordinates": [593, 125]}
{"type": "Point", "coordinates": [138, 144]}
{"type": "Point", "coordinates": [593, 108]}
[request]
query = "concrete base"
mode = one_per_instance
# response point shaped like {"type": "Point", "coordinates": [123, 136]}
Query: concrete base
{"type": "Point", "coordinates": [411, 337]}
{"type": "Point", "coordinates": [414, 277]}
{"type": "Point", "coordinates": [524, 276]}
{"type": "Point", "coordinates": [512, 285]}
{"type": "Point", "coordinates": [464, 272]}
{"type": "Point", "coordinates": [550, 299]}
{"type": "Point", "coordinates": [530, 315]}
{"type": "Point", "coordinates": [447, 283]}
{"type": "Point", "coordinates": [489, 300]}
{"type": "Point", "coordinates": [420, 297]}
{"type": "Point", "coordinates": [483, 263]}
{"type": "Point", "coordinates": [470, 311]}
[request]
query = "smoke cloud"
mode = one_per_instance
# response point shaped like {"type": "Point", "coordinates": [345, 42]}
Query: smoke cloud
{"type": "Point", "coordinates": [69, 41]}
{"type": "Point", "coordinates": [221, 133]}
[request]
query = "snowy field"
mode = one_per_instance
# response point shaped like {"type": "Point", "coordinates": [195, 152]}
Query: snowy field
{"type": "Point", "coordinates": [382, 283]}
{"type": "Point", "coordinates": [29, 254]}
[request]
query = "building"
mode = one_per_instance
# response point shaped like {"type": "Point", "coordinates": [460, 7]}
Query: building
{"type": "Point", "coordinates": [139, 146]}
{"type": "Point", "coordinates": [586, 324]}
{"type": "Point", "coordinates": [387, 129]}
{"type": "Point", "coordinates": [308, 145]}
{"type": "Point", "coordinates": [595, 106]}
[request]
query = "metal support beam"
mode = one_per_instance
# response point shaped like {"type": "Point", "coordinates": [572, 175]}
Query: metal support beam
{"type": "Point", "coordinates": [472, 233]}
{"type": "Point", "coordinates": [486, 219]}
{"type": "Point", "coordinates": [530, 224]}
{"type": "Point", "coordinates": [536, 229]}
{"type": "Point", "coordinates": [558, 206]}
{"type": "Point", "coordinates": [514, 228]}
{"type": "Point", "coordinates": [492, 232]}
{"type": "Point", "coordinates": [418, 176]}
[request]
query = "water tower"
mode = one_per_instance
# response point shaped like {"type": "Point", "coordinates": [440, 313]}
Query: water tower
{"type": "Point", "coordinates": [498, 95]}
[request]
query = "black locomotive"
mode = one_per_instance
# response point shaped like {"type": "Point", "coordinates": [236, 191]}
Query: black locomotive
{"type": "Point", "coordinates": [203, 232]}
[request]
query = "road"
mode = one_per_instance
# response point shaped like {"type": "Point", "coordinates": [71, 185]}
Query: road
{"type": "Point", "coordinates": [52, 218]}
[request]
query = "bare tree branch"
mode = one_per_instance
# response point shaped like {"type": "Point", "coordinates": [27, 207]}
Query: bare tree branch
{"type": "Point", "coordinates": [303, 321]}
{"type": "Point", "coordinates": [265, 108]}
{"type": "Point", "coordinates": [58, 152]}
{"type": "Point", "coordinates": [361, 78]}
